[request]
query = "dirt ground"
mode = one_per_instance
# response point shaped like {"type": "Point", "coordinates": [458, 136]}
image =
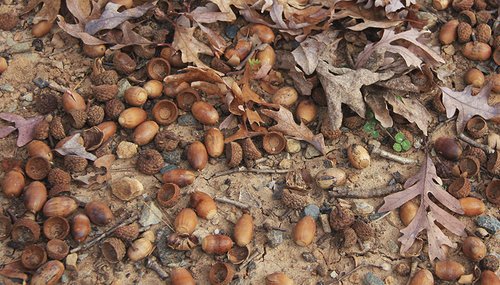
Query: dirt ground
{"type": "Point", "coordinates": [62, 61]}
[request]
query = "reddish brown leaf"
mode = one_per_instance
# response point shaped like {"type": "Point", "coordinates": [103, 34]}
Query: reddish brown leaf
{"type": "Point", "coordinates": [427, 182]}
{"type": "Point", "coordinates": [24, 127]}
{"type": "Point", "coordinates": [241, 133]}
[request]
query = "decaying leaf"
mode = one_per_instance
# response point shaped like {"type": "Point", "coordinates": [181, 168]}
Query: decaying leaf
{"type": "Point", "coordinates": [24, 127]}
{"type": "Point", "coordinates": [286, 125]}
{"type": "Point", "coordinates": [192, 73]}
{"type": "Point", "coordinates": [104, 163]}
{"type": "Point", "coordinates": [307, 54]}
{"type": "Point", "coordinates": [210, 14]}
{"type": "Point", "coordinates": [49, 10]}
{"type": "Point", "coordinates": [368, 18]}
{"type": "Point", "coordinates": [411, 109]}
{"type": "Point", "coordinates": [242, 133]}
{"type": "Point", "coordinates": [342, 85]}
{"type": "Point", "coordinates": [427, 182]}
{"type": "Point", "coordinates": [469, 106]}
{"type": "Point", "coordinates": [77, 31]}
{"type": "Point", "coordinates": [189, 46]}
{"type": "Point", "coordinates": [72, 146]}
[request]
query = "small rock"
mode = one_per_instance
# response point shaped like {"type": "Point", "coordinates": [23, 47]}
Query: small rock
{"type": "Point", "coordinates": [58, 64]}
{"type": "Point", "coordinates": [285, 164]}
{"type": "Point", "coordinates": [449, 49]}
{"type": "Point", "coordinates": [28, 97]}
{"type": "Point", "coordinates": [491, 224]}
{"type": "Point", "coordinates": [231, 31]}
{"type": "Point", "coordinates": [275, 238]}
{"type": "Point", "coordinates": [325, 223]}
{"type": "Point", "coordinates": [292, 146]}
{"type": "Point", "coordinates": [334, 274]}
{"type": "Point", "coordinates": [126, 149]}
{"type": "Point", "coordinates": [466, 279]}
{"type": "Point", "coordinates": [322, 270]}
{"type": "Point", "coordinates": [173, 157]}
{"type": "Point", "coordinates": [308, 257]}
{"type": "Point", "coordinates": [186, 120]}
{"type": "Point", "coordinates": [201, 233]}
{"type": "Point", "coordinates": [7, 88]}
{"type": "Point", "coordinates": [362, 208]}
{"type": "Point", "coordinates": [311, 210]}
{"type": "Point", "coordinates": [123, 85]}
{"type": "Point", "coordinates": [150, 215]}
{"type": "Point", "coordinates": [71, 260]}
{"type": "Point", "coordinates": [20, 47]}
{"type": "Point", "coordinates": [482, 233]}
{"type": "Point", "coordinates": [311, 152]}
{"type": "Point", "coordinates": [371, 279]}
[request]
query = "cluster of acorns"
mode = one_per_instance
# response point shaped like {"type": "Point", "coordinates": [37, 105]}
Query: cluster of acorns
{"type": "Point", "coordinates": [471, 28]}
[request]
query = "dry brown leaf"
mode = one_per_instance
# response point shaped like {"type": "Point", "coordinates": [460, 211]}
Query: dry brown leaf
{"type": "Point", "coordinates": [49, 10]}
{"type": "Point", "coordinates": [104, 163]}
{"type": "Point", "coordinates": [242, 133]}
{"type": "Point", "coordinates": [189, 46]}
{"type": "Point", "coordinates": [23, 126]}
{"type": "Point", "coordinates": [80, 9]}
{"type": "Point", "coordinates": [72, 146]}
{"type": "Point", "coordinates": [192, 73]}
{"type": "Point", "coordinates": [286, 125]}
{"type": "Point", "coordinates": [210, 14]}
{"type": "Point", "coordinates": [469, 106]}
{"type": "Point", "coordinates": [427, 182]}
{"type": "Point", "coordinates": [216, 41]}
{"type": "Point", "coordinates": [411, 109]}
{"type": "Point", "coordinates": [125, 36]}
{"type": "Point", "coordinates": [225, 7]}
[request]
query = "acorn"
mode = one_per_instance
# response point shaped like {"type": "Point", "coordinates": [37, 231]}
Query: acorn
{"type": "Point", "coordinates": [99, 213]}
{"type": "Point", "coordinates": [244, 230]}
{"type": "Point", "coordinates": [95, 115]}
{"type": "Point", "coordinates": [306, 111]}
{"type": "Point", "coordinates": [158, 68]}
{"type": "Point", "coordinates": [294, 199]}
{"type": "Point", "coordinates": [407, 212]}
{"type": "Point", "coordinates": [108, 129]}
{"type": "Point", "coordinates": [113, 250]}
{"type": "Point", "coordinates": [73, 101]}
{"type": "Point", "coordinates": [165, 112]}
{"type": "Point", "coordinates": [265, 34]}
{"type": "Point", "coordinates": [114, 108]}
{"type": "Point", "coordinates": [41, 28]}
{"type": "Point", "coordinates": [149, 162]}
{"type": "Point", "coordinates": [278, 278]}
{"type": "Point", "coordinates": [132, 117]}
{"type": "Point", "coordinates": [489, 278]}
{"type": "Point", "coordinates": [460, 188]}
{"type": "Point", "coordinates": [267, 56]}
{"type": "Point", "coordinates": [123, 62]}
{"type": "Point", "coordinates": [214, 142]}
{"type": "Point", "coordinates": [449, 148]}
{"type": "Point", "coordinates": [141, 248]}
{"type": "Point", "coordinates": [476, 51]}
{"type": "Point", "coordinates": [358, 156]}
{"type": "Point", "coordinates": [186, 221]}
{"type": "Point", "coordinates": [105, 92]}
{"type": "Point", "coordinates": [304, 232]}
{"type": "Point", "coordinates": [422, 277]}
{"type": "Point", "coordinates": [35, 196]}
{"type": "Point", "coordinates": [493, 192]}
{"type": "Point", "coordinates": [489, 262]}
{"type": "Point", "coordinates": [135, 96]}
{"type": "Point", "coordinates": [80, 228]}
{"type": "Point", "coordinates": [203, 204]}
{"type": "Point", "coordinates": [480, 4]}
{"type": "Point", "coordinates": [77, 118]}
{"type": "Point", "coordinates": [496, 56]}
{"type": "Point", "coordinates": [39, 148]}
{"type": "Point", "coordinates": [330, 177]}
{"type": "Point", "coordinates": [126, 188]}
{"type": "Point", "coordinates": [363, 230]}
{"type": "Point", "coordinates": [205, 113]}
{"type": "Point", "coordinates": [59, 176]}
{"type": "Point", "coordinates": [197, 155]}
{"type": "Point", "coordinates": [3, 64]}
{"type": "Point", "coordinates": [181, 177]}
{"type": "Point", "coordinates": [41, 130]}
{"type": "Point", "coordinates": [474, 248]}
{"type": "Point", "coordinates": [56, 190]}
{"type": "Point", "coordinates": [464, 32]}
{"type": "Point", "coordinates": [168, 195]}
{"type": "Point", "coordinates": [13, 183]}
{"type": "Point", "coordinates": [461, 5]}
{"type": "Point", "coordinates": [33, 256]}
{"type": "Point", "coordinates": [216, 244]}
{"type": "Point", "coordinates": [238, 254]}
{"type": "Point", "coordinates": [483, 33]}
{"type": "Point", "coordinates": [250, 150]}
{"type": "Point", "coordinates": [154, 88]}
{"type": "Point", "coordinates": [493, 164]}
{"type": "Point", "coordinates": [484, 16]}
{"type": "Point", "coordinates": [37, 168]}
{"type": "Point", "coordinates": [48, 274]}
{"type": "Point", "coordinates": [181, 276]}
{"type": "Point", "coordinates": [57, 249]}
{"type": "Point", "coordinates": [495, 79]}
{"type": "Point", "coordinates": [46, 101]}
{"type": "Point", "coordinates": [474, 77]}
{"type": "Point", "coordinates": [472, 206]}
{"type": "Point", "coordinates": [221, 273]}
{"type": "Point", "coordinates": [94, 51]}
{"type": "Point", "coordinates": [186, 98]}
{"type": "Point", "coordinates": [234, 154]}
{"type": "Point", "coordinates": [239, 52]}
{"type": "Point", "coordinates": [286, 96]}
{"type": "Point", "coordinates": [341, 218]}
{"type": "Point", "coordinates": [166, 140]}
{"type": "Point", "coordinates": [59, 207]}
{"type": "Point", "coordinates": [56, 228]}
{"type": "Point", "coordinates": [448, 32]}
{"type": "Point", "coordinates": [145, 132]}
{"type": "Point", "coordinates": [25, 231]}
{"type": "Point", "coordinates": [274, 142]}
{"type": "Point", "coordinates": [448, 270]}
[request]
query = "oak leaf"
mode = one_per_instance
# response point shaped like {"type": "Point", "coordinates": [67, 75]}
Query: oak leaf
{"type": "Point", "coordinates": [25, 127]}
{"type": "Point", "coordinates": [49, 10]}
{"type": "Point", "coordinates": [469, 106]}
{"type": "Point", "coordinates": [286, 125]}
{"type": "Point", "coordinates": [189, 46]}
{"type": "Point", "coordinates": [426, 182]}
{"type": "Point", "coordinates": [73, 146]}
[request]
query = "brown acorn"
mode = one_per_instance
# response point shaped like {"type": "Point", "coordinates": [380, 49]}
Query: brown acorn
{"type": "Point", "coordinates": [127, 233]}
{"type": "Point", "coordinates": [181, 276]}
{"type": "Point", "coordinates": [3, 64]}
{"type": "Point", "coordinates": [108, 129]}
{"type": "Point", "coordinates": [105, 92]}
{"type": "Point", "coordinates": [472, 206]}
{"type": "Point", "coordinates": [166, 140]}
{"type": "Point", "coordinates": [57, 249]}
{"type": "Point", "coordinates": [135, 96]}
{"type": "Point", "coordinates": [239, 52]}
{"type": "Point", "coordinates": [267, 56]}
{"type": "Point", "coordinates": [48, 274]}
{"type": "Point", "coordinates": [25, 231]}
{"type": "Point", "coordinates": [59, 206]}
{"type": "Point", "coordinates": [132, 117]}
{"type": "Point", "coordinates": [41, 130]}
{"type": "Point", "coordinates": [496, 56]}
{"type": "Point", "coordinates": [474, 77]}
{"type": "Point", "coordinates": [448, 270]}
{"type": "Point", "coordinates": [449, 148]}
{"type": "Point", "coordinates": [95, 115]}
{"type": "Point", "coordinates": [304, 231]}
{"type": "Point", "coordinates": [99, 213]}
{"type": "Point", "coordinates": [221, 273]}
{"type": "Point", "coordinates": [186, 221]}
{"type": "Point", "coordinates": [286, 96]}
{"type": "Point", "coordinates": [123, 62]}
{"type": "Point", "coordinates": [145, 132]}
{"type": "Point", "coordinates": [203, 204]}
{"type": "Point", "coordinates": [216, 244]}
{"type": "Point", "coordinates": [464, 32]}
{"type": "Point", "coordinates": [483, 33]}
{"type": "Point", "coordinates": [80, 228]}
{"type": "Point", "coordinates": [489, 278]}
{"type": "Point", "coordinates": [41, 28]}
{"type": "Point", "coordinates": [56, 228]}
{"type": "Point", "coordinates": [294, 199]}
{"type": "Point", "coordinates": [168, 195]}
{"type": "Point", "coordinates": [35, 196]}
{"type": "Point", "coordinates": [234, 154]}
{"type": "Point", "coordinates": [181, 177]}
{"type": "Point", "coordinates": [33, 256]}
{"type": "Point", "coordinates": [358, 156]}
{"type": "Point", "coordinates": [154, 88]}
{"type": "Point", "coordinates": [341, 218]}
{"type": "Point", "coordinates": [73, 101]}
{"type": "Point", "coordinates": [461, 5]}
{"type": "Point", "coordinates": [493, 164]}
{"type": "Point", "coordinates": [493, 192]}
{"type": "Point", "coordinates": [94, 51]}
{"type": "Point", "coordinates": [77, 118]}
{"type": "Point", "coordinates": [214, 142]}
{"type": "Point", "coordinates": [274, 142]}
{"type": "Point", "coordinates": [113, 250]}
{"type": "Point", "coordinates": [56, 129]}
{"type": "Point", "coordinates": [448, 32]}
{"type": "Point", "coordinates": [278, 278]}
{"type": "Point", "coordinates": [476, 51]}
{"type": "Point", "coordinates": [422, 277]}
{"type": "Point", "coordinates": [197, 155]}
{"type": "Point", "coordinates": [265, 34]}
{"type": "Point", "coordinates": [186, 98]}
{"type": "Point", "coordinates": [59, 176]}
{"type": "Point", "coordinates": [158, 68]}
{"type": "Point", "coordinates": [46, 101]}
{"type": "Point", "coordinates": [330, 177]}
{"type": "Point", "coordinates": [244, 230]}
{"type": "Point", "coordinates": [250, 150]}
{"type": "Point", "coordinates": [165, 112]}
{"type": "Point", "coordinates": [474, 248]}
{"type": "Point", "coordinates": [37, 168]}
{"type": "Point", "coordinates": [149, 162]}
{"type": "Point", "coordinates": [13, 183]}
{"type": "Point", "coordinates": [114, 108]}
{"type": "Point", "coordinates": [205, 113]}
{"type": "Point", "coordinates": [407, 212]}
{"type": "Point", "coordinates": [142, 247]}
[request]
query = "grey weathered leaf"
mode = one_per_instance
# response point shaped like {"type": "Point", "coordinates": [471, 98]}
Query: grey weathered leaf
{"type": "Point", "coordinates": [72, 146]}
{"type": "Point", "coordinates": [411, 109]}
{"type": "Point", "coordinates": [24, 127]}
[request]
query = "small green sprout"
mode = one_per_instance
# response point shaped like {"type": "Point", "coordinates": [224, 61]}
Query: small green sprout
{"type": "Point", "coordinates": [253, 62]}
{"type": "Point", "coordinates": [402, 143]}
{"type": "Point", "coordinates": [370, 125]}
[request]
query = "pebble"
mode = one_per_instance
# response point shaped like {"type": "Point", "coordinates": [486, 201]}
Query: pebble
{"type": "Point", "coordinates": [123, 85]}
{"type": "Point", "coordinates": [325, 223]}
{"type": "Point", "coordinates": [71, 260]}
{"type": "Point", "coordinates": [449, 49]}
{"type": "Point", "coordinates": [7, 88]}
{"type": "Point", "coordinates": [231, 31]}
{"type": "Point", "coordinates": [150, 215]}
{"type": "Point", "coordinates": [186, 120]}
{"type": "Point", "coordinates": [293, 146]}
{"type": "Point", "coordinates": [285, 164]}
{"type": "Point", "coordinates": [20, 47]}
{"type": "Point", "coordinates": [173, 157]}
{"type": "Point", "coordinates": [362, 208]}
{"type": "Point", "coordinates": [309, 257]}
{"type": "Point", "coordinates": [311, 152]}
{"type": "Point", "coordinates": [126, 149]}
{"type": "Point", "coordinates": [311, 210]}
{"type": "Point", "coordinates": [334, 274]}
{"type": "Point", "coordinates": [275, 238]}
{"type": "Point", "coordinates": [371, 279]}
{"type": "Point", "coordinates": [491, 224]}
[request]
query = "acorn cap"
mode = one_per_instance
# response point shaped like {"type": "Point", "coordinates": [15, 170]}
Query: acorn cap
{"type": "Point", "coordinates": [166, 140]}
{"type": "Point", "coordinates": [25, 231]}
{"type": "Point", "coordinates": [234, 154]}
{"type": "Point", "coordinates": [58, 189]}
{"type": "Point", "coordinates": [114, 108]}
{"type": "Point", "coordinates": [128, 232]}
{"type": "Point", "coordinates": [75, 163]}
{"type": "Point", "coordinates": [493, 192]}
{"type": "Point", "coordinates": [250, 151]}
{"type": "Point", "coordinates": [464, 32]}
{"type": "Point", "coordinates": [489, 262]}
{"type": "Point", "coordinates": [41, 130]}
{"type": "Point", "coordinates": [483, 33]}
{"type": "Point", "coordinates": [480, 4]}
{"type": "Point", "coordinates": [363, 230]}
{"type": "Point", "coordinates": [353, 122]}
{"type": "Point", "coordinates": [57, 249]}
{"type": "Point", "coordinates": [113, 250]}
{"type": "Point", "coordinates": [493, 164]}
{"type": "Point", "coordinates": [59, 176]}
{"type": "Point", "coordinates": [92, 138]}
{"type": "Point", "coordinates": [46, 101]}
{"type": "Point", "coordinates": [274, 142]}
{"type": "Point", "coordinates": [8, 21]}
{"type": "Point", "coordinates": [105, 92]}
{"type": "Point", "coordinates": [37, 168]}
{"type": "Point", "coordinates": [349, 237]}
{"type": "Point", "coordinates": [57, 129]}
{"type": "Point", "coordinates": [341, 218]}
{"type": "Point", "coordinates": [56, 228]}
{"type": "Point", "coordinates": [327, 131]}
{"type": "Point", "coordinates": [107, 77]}
{"type": "Point", "coordinates": [461, 5]}
{"type": "Point", "coordinates": [477, 153]}
{"type": "Point", "coordinates": [77, 118]}
{"type": "Point", "coordinates": [483, 17]}
{"type": "Point", "coordinates": [470, 165]}
{"type": "Point", "coordinates": [149, 162]}
{"type": "Point", "coordinates": [460, 187]}
{"type": "Point", "coordinates": [294, 199]}
{"type": "Point", "coordinates": [95, 115]}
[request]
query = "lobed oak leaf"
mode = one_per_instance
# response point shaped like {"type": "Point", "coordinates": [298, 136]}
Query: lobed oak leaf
{"type": "Point", "coordinates": [72, 146]}
{"type": "Point", "coordinates": [189, 46]}
{"type": "Point", "coordinates": [469, 106]}
{"type": "Point", "coordinates": [25, 127]}
{"type": "Point", "coordinates": [49, 11]}
{"type": "Point", "coordinates": [77, 31]}
{"type": "Point", "coordinates": [426, 182]}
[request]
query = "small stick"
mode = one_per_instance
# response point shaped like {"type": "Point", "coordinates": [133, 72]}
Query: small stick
{"type": "Point", "coordinates": [156, 267]}
{"type": "Point", "coordinates": [232, 202]}
{"type": "Point", "coordinates": [250, 259]}
{"type": "Point", "coordinates": [357, 193]}
{"type": "Point", "coordinates": [105, 234]}
{"type": "Point", "coordinates": [252, 170]}
{"type": "Point", "coordinates": [385, 154]}
{"type": "Point", "coordinates": [472, 142]}
{"type": "Point", "coordinates": [351, 272]}
{"type": "Point", "coordinates": [41, 83]}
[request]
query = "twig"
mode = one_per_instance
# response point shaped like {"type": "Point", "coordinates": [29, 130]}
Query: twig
{"type": "Point", "coordinates": [156, 267]}
{"type": "Point", "coordinates": [252, 170]}
{"type": "Point", "coordinates": [250, 259]}
{"type": "Point", "coordinates": [232, 202]}
{"type": "Point", "coordinates": [385, 154]}
{"type": "Point", "coordinates": [105, 234]}
{"type": "Point", "coordinates": [41, 83]}
{"type": "Point", "coordinates": [358, 193]}
{"type": "Point", "coordinates": [472, 142]}
{"type": "Point", "coordinates": [351, 272]}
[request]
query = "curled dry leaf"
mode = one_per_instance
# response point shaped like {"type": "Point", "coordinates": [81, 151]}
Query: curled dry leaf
{"type": "Point", "coordinates": [369, 19]}
{"type": "Point", "coordinates": [210, 14]}
{"type": "Point", "coordinates": [24, 127]}
{"type": "Point", "coordinates": [427, 182]}
{"type": "Point", "coordinates": [49, 10]}
{"type": "Point", "coordinates": [72, 146]}
{"type": "Point", "coordinates": [469, 106]}
{"type": "Point", "coordinates": [307, 54]}
{"type": "Point", "coordinates": [189, 46]}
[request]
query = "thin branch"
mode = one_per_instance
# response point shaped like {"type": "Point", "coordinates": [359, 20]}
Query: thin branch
{"type": "Point", "coordinates": [385, 154]}
{"type": "Point", "coordinates": [252, 170]}
{"type": "Point", "coordinates": [232, 202]}
{"type": "Point", "coordinates": [358, 193]}
{"type": "Point", "coordinates": [472, 142]}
